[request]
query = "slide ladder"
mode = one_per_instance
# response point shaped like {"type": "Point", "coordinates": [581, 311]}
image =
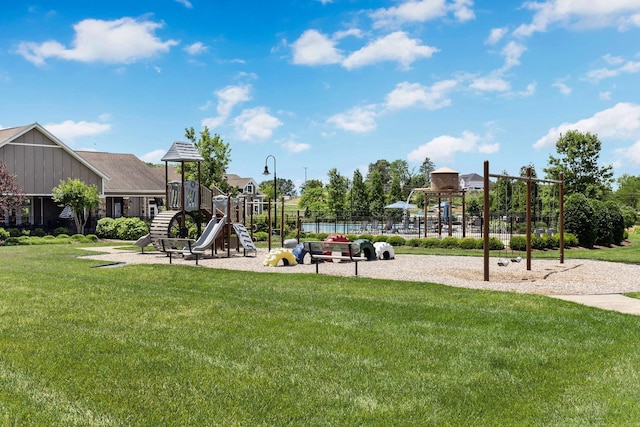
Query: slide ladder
{"type": "Point", "coordinates": [244, 237]}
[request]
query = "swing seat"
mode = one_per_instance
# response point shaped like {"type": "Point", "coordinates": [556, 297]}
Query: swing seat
{"type": "Point", "coordinates": [503, 262]}
{"type": "Point", "coordinates": [516, 259]}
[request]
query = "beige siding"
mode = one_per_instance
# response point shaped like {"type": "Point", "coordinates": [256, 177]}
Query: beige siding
{"type": "Point", "coordinates": [40, 164]}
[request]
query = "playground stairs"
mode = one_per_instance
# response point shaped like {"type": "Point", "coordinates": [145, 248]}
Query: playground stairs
{"type": "Point", "coordinates": [159, 227]}
{"type": "Point", "coordinates": [244, 237]}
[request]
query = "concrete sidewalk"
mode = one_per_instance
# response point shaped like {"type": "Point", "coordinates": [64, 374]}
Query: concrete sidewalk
{"type": "Point", "coordinates": [613, 302]}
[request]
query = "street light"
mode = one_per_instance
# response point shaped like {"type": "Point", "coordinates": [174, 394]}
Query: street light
{"type": "Point", "coordinates": [275, 182]}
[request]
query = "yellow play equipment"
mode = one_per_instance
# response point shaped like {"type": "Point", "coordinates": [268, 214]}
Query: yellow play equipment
{"type": "Point", "coordinates": [275, 255]}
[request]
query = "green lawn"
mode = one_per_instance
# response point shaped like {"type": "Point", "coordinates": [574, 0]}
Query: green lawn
{"type": "Point", "coordinates": [178, 345]}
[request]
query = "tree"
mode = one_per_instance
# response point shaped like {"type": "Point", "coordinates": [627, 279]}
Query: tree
{"type": "Point", "coordinates": [376, 195]}
{"type": "Point", "coordinates": [580, 219]}
{"type": "Point", "coordinates": [11, 195]}
{"type": "Point", "coordinates": [383, 167]}
{"type": "Point", "coordinates": [628, 192]}
{"type": "Point", "coordinates": [359, 199]}
{"type": "Point", "coordinates": [312, 201]}
{"type": "Point", "coordinates": [337, 192]}
{"type": "Point", "coordinates": [395, 194]}
{"type": "Point", "coordinates": [217, 156]}
{"type": "Point", "coordinates": [578, 160]}
{"type": "Point", "coordinates": [312, 183]}
{"type": "Point", "coordinates": [80, 197]}
{"type": "Point", "coordinates": [426, 168]}
{"type": "Point", "coordinates": [286, 187]}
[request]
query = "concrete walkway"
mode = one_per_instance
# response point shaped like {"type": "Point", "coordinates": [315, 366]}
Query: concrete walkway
{"type": "Point", "coordinates": [613, 302]}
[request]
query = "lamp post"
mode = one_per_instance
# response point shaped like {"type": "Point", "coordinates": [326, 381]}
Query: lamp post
{"type": "Point", "coordinates": [275, 183]}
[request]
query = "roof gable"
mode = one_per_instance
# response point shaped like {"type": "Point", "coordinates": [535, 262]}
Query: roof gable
{"type": "Point", "coordinates": [11, 134]}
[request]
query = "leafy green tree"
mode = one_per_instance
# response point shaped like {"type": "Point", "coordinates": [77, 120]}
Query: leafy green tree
{"type": "Point", "coordinates": [313, 201]}
{"type": "Point", "coordinates": [359, 198]}
{"type": "Point", "coordinates": [395, 195]}
{"type": "Point", "coordinates": [286, 187]}
{"type": "Point", "coordinates": [217, 156]}
{"type": "Point", "coordinates": [628, 192]}
{"type": "Point", "coordinates": [11, 195]}
{"type": "Point", "coordinates": [580, 219]}
{"type": "Point", "coordinates": [79, 196]}
{"type": "Point", "coordinates": [578, 156]}
{"type": "Point", "coordinates": [337, 192]}
{"type": "Point", "coordinates": [383, 167]}
{"type": "Point", "coordinates": [426, 168]}
{"type": "Point", "coordinates": [312, 183]}
{"type": "Point", "coordinates": [376, 195]}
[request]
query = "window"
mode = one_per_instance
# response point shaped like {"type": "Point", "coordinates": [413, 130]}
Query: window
{"type": "Point", "coordinates": [248, 189]}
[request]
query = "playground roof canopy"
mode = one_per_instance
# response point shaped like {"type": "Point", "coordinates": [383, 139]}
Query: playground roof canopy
{"type": "Point", "coordinates": [182, 152]}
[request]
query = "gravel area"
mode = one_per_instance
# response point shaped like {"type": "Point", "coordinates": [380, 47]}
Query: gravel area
{"type": "Point", "coordinates": [548, 277]}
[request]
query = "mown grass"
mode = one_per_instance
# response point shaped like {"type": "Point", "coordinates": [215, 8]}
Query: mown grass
{"type": "Point", "coordinates": [179, 345]}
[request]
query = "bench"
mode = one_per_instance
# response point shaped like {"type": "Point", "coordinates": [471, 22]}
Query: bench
{"type": "Point", "coordinates": [172, 246]}
{"type": "Point", "coordinates": [334, 251]}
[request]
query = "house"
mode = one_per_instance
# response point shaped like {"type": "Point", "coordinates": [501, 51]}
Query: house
{"type": "Point", "coordinates": [40, 161]}
{"type": "Point", "coordinates": [134, 189]}
{"type": "Point", "coordinates": [248, 188]}
{"type": "Point", "coordinates": [471, 181]}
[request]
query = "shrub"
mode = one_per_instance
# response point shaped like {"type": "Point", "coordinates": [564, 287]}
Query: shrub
{"type": "Point", "coordinates": [14, 232]}
{"type": "Point", "coordinates": [431, 242]}
{"type": "Point", "coordinates": [260, 236]}
{"type": "Point", "coordinates": [62, 236]}
{"type": "Point", "coordinates": [580, 219]}
{"type": "Point", "coordinates": [380, 238]}
{"type": "Point", "coordinates": [4, 234]}
{"type": "Point", "coordinates": [91, 238]}
{"type": "Point", "coordinates": [396, 241]}
{"type": "Point", "coordinates": [38, 232]}
{"type": "Point", "coordinates": [538, 243]}
{"type": "Point", "coordinates": [12, 241]}
{"type": "Point", "coordinates": [518, 243]}
{"type": "Point", "coordinates": [414, 242]}
{"type": "Point", "coordinates": [570, 240]}
{"type": "Point", "coordinates": [495, 244]}
{"type": "Point", "coordinates": [105, 228]}
{"type": "Point", "coordinates": [467, 243]}
{"type": "Point", "coordinates": [450, 243]}
{"type": "Point", "coordinates": [352, 237]}
{"type": "Point", "coordinates": [132, 228]}
{"type": "Point", "coordinates": [62, 230]}
{"type": "Point", "coordinates": [551, 241]}
{"type": "Point", "coordinates": [366, 236]}
{"type": "Point", "coordinates": [78, 238]}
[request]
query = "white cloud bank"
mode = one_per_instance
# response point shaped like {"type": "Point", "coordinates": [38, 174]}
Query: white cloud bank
{"type": "Point", "coordinates": [121, 41]}
{"type": "Point", "coordinates": [70, 130]}
{"type": "Point", "coordinates": [443, 148]}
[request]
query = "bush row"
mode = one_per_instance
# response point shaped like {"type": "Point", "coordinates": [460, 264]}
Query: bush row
{"type": "Point", "coordinates": [48, 239]}
{"type": "Point", "coordinates": [121, 228]}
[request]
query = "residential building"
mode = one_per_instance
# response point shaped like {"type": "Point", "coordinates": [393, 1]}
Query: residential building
{"type": "Point", "coordinates": [471, 181]}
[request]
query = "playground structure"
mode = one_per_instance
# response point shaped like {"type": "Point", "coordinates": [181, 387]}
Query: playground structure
{"type": "Point", "coordinates": [529, 180]}
{"type": "Point", "coordinates": [445, 189]}
{"type": "Point", "coordinates": [189, 202]}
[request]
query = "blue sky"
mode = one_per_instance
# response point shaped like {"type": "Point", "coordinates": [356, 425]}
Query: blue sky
{"type": "Point", "coordinates": [323, 84]}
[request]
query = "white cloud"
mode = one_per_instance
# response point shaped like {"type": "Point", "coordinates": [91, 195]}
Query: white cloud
{"type": "Point", "coordinates": [296, 147]}
{"type": "Point", "coordinates": [443, 148]}
{"type": "Point", "coordinates": [605, 96]}
{"type": "Point", "coordinates": [407, 95]}
{"type": "Point", "coordinates": [358, 119]}
{"type": "Point", "coordinates": [255, 124]}
{"type": "Point", "coordinates": [154, 156]}
{"type": "Point", "coordinates": [396, 46]}
{"type": "Point", "coordinates": [622, 121]}
{"type": "Point", "coordinates": [124, 40]}
{"type": "Point", "coordinates": [581, 14]}
{"type": "Point", "coordinates": [314, 48]}
{"type": "Point", "coordinates": [228, 97]}
{"type": "Point", "coordinates": [70, 130]}
{"type": "Point", "coordinates": [562, 87]}
{"type": "Point", "coordinates": [490, 84]}
{"type": "Point", "coordinates": [421, 11]}
{"type": "Point", "coordinates": [631, 153]}
{"type": "Point", "coordinates": [512, 53]}
{"type": "Point", "coordinates": [185, 3]}
{"type": "Point", "coordinates": [196, 48]}
{"type": "Point", "coordinates": [496, 35]}
{"type": "Point", "coordinates": [628, 67]}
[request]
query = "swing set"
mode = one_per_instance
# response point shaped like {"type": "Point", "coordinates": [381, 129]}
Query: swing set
{"type": "Point", "coordinates": [529, 180]}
